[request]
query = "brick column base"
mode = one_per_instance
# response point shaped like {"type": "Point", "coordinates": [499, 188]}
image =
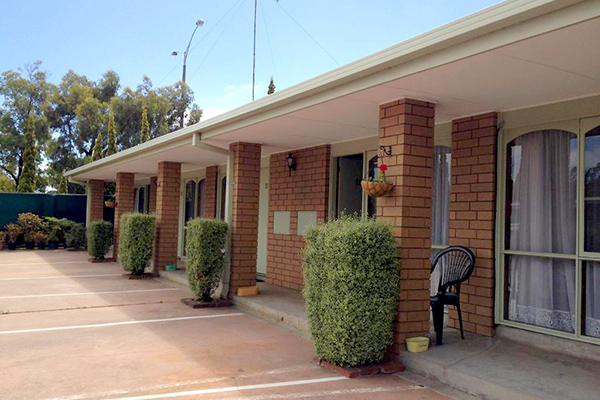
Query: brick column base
{"type": "Point", "coordinates": [407, 126]}
{"type": "Point", "coordinates": [167, 214]}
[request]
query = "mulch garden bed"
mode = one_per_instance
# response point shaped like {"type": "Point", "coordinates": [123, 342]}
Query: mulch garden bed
{"type": "Point", "coordinates": [145, 275]}
{"type": "Point", "coordinates": [193, 303]}
{"type": "Point", "coordinates": [384, 368]}
{"type": "Point", "coordinates": [101, 260]}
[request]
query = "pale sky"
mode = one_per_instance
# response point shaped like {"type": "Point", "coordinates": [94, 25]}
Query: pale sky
{"type": "Point", "coordinates": [136, 38]}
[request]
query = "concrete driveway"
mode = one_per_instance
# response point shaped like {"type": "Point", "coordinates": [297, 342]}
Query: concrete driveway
{"type": "Point", "coordinates": [72, 330]}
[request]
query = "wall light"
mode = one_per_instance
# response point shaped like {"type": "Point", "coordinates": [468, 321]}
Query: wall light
{"type": "Point", "coordinates": [291, 162]}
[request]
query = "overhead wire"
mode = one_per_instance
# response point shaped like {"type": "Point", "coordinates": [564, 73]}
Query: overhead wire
{"type": "Point", "coordinates": [307, 33]}
{"type": "Point", "coordinates": [200, 41]}
{"type": "Point", "coordinates": [217, 41]}
{"type": "Point", "coordinates": [262, 11]}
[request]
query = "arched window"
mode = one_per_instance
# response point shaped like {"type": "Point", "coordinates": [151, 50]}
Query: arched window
{"type": "Point", "coordinates": [223, 196]}
{"type": "Point", "coordinates": [141, 200]}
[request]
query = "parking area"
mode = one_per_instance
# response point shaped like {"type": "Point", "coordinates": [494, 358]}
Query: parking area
{"type": "Point", "coordinates": [73, 330]}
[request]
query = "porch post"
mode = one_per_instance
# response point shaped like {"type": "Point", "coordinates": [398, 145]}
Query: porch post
{"type": "Point", "coordinates": [407, 126]}
{"type": "Point", "coordinates": [244, 214]}
{"type": "Point", "coordinates": [124, 199]}
{"type": "Point", "coordinates": [210, 200]}
{"type": "Point", "coordinates": [96, 196]}
{"type": "Point", "coordinates": [472, 215]}
{"type": "Point", "coordinates": [167, 214]}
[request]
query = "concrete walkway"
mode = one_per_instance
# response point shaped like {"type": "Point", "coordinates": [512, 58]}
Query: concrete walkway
{"type": "Point", "coordinates": [506, 367]}
{"type": "Point", "coordinates": [72, 330]}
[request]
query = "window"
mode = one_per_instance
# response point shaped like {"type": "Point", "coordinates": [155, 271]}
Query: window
{"type": "Point", "coordinates": [223, 197]}
{"type": "Point", "coordinates": [190, 200]}
{"type": "Point", "coordinates": [550, 262]}
{"type": "Point", "coordinates": [201, 198]}
{"type": "Point", "coordinates": [141, 204]}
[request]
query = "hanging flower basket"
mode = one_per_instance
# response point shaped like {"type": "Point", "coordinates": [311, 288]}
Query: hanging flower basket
{"type": "Point", "coordinates": [376, 189]}
{"type": "Point", "coordinates": [109, 203]}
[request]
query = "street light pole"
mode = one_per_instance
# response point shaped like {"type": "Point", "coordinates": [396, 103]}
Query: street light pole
{"type": "Point", "coordinates": [199, 23]}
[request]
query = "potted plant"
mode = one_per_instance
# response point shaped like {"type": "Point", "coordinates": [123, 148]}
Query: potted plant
{"type": "Point", "coordinates": [2, 239]}
{"type": "Point", "coordinates": [40, 238]}
{"type": "Point", "coordinates": [54, 231]}
{"type": "Point", "coordinates": [13, 231]}
{"type": "Point", "coordinates": [110, 203]}
{"type": "Point", "coordinates": [30, 223]}
{"type": "Point", "coordinates": [377, 186]}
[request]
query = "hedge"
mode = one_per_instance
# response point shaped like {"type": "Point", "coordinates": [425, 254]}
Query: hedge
{"type": "Point", "coordinates": [74, 234]}
{"type": "Point", "coordinates": [136, 234]}
{"type": "Point", "coordinates": [351, 287]}
{"type": "Point", "coordinates": [99, 238]}
{"type": "Point", "coordinates": [205, 251]}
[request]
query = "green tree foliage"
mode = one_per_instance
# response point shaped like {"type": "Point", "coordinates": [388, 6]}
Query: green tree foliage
{"type": "Point", "coordinates": [351, 287]}
{"type": "Point", "coordinates": [24, 93]}
{"type": "Point", "coordinates": [98, 152]}
{"type": "Point", "coordinates": [63, 187]}
{"type": "Point", "coordinates": [28, 180]}
{"type": "Point", "coordinates": [145, 136]}
{"type": "Point", "coordinates": [7, 184]}
{"type": "Point", "coordinates": [271, 88]}
{"type": "Point", "coordinates": [112, 133]}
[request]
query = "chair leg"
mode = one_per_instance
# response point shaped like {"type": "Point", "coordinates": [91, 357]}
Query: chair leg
{"type": "Point", "coordinates": [437, 309]}
{"type": "Point", "coordinates": [462, 333]}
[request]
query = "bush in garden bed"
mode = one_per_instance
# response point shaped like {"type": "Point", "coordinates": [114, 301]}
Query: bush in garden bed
{"type": "Point", "coordinates": [99, 238]}
{"type": "Point", "coordinates": [136, 234]}
{"type": "Point", "coordinates": [351, 287]}
{"type": "Point", "coordinates": [205, 250]}
{"type": "Point", "coordinates": [75, 235]}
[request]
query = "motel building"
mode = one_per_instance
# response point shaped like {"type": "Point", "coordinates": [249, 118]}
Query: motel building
{"type": "Point", "coordinates": [490, 129]}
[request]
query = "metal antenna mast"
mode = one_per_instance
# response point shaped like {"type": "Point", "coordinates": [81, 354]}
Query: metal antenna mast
{"type": "Point", "coordinates": [254, 51]}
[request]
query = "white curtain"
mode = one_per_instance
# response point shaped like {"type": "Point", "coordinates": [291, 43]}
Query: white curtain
{"type": "Point", "coordinates": [440, 206]}
{"type": "Point", "coordinates": [592, 299]}
{"type": "Point", "coordinates": [542, 219]}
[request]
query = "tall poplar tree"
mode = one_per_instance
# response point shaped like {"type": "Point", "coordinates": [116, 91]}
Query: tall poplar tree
{"type": "Point", "coordinates": [27, 182]}
{"type": "Point", "coordinates": [145, 136]}
{"type": "Point", "coordinates": [112, 133]}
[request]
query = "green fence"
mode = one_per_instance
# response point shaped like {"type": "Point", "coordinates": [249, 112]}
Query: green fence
{"type": "Point", "coordinates": [71, 206]}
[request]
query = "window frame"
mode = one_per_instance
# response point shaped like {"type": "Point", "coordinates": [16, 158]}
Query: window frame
{"type": "Point", "coordinates": [505, 136]}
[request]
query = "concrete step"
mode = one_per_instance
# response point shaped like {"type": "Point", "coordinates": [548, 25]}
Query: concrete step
{"type": "Point", "coordinates": [501, 369]}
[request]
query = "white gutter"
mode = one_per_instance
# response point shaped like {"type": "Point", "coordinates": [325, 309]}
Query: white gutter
{"type": "Point", "coordinates": [476, 33]}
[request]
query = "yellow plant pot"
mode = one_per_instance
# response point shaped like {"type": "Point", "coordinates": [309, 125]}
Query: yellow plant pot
{"type": "Point", "coordinates": [417, 344]}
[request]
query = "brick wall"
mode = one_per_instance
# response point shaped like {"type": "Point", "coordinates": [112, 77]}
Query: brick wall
{"type": "Point", "coordinates": [307, 189]}
{"type": "Point", "coordinates": [152, 199]}
{"type": "Point", "coordinates": [124, 199]}
{"type": "Point", "coordinates": [244, 224]}
{"type": "Point", "coordinates": [167, 214]}
{"type": "Point", "coordinates": [96, 195]}
{"type": "Point", "coordinates": [472, 213]}
{"type": "Point", "coordinates": [407, 126]}
{"type": "Point", "coordinates": [210, 199]}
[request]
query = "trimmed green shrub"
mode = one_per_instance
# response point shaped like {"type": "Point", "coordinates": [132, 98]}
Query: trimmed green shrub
{"type": "Point", "coordinates": [99, 238]}
{"type": "Point", "coordinates": [136, 233]}
{"type": "Point", "coordinates": [205, 250]}
{"type": "Point", "coordinates": [75, 235]}
{"type": "Point", "coordinates": [351, 287]}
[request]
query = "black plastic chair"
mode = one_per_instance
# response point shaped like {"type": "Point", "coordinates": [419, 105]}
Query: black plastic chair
{"type": "Point", "coordinates": [457, 264]}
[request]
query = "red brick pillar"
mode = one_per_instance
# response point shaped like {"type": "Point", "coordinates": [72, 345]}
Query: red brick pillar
{"type": "Point", "coordinates": [152, 199]}
{"type": "Point", "coordinates": [407, 126]}
{"type": "Point", "coordinates": [244, 224]}
{"type": "Point", "coordinates": [210, 201]}
{"type": "Point", "coordinates": [167, 214]}
{"type": "Point", "coordinates": [124, 199]}
{"type": "Point", "coordinates": [472, 213]}
{"type": "Point", "coordinates": [96, 195]}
